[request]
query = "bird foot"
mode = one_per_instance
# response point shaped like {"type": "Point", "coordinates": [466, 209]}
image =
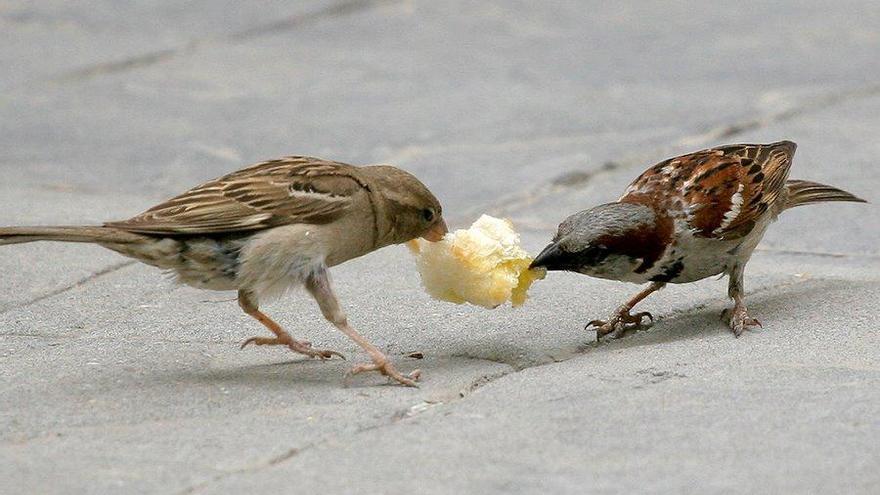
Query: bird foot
{"type": "Point", "coordinates": [304, 348]}
{"type": "Point", "coordinates": [619, 323]}
{"type": "Point", "coordinates": [738, 319]}
{"type": "Point", "coordinates": [385, 367]}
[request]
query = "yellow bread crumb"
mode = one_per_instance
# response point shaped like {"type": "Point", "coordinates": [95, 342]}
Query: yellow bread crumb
{"type": "Point", "coordinates": [483, 265]}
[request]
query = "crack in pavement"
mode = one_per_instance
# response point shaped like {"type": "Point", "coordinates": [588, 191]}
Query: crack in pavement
{"type": "Point", "coordinates": [524, 225]}
{"type": "Point", "coordinates": [289, 454]}
{"type": "Point", "coordinates": [512, 203]}
{"type": "Point", "coordinates": [568, 181]}
{"type": "Point", "coordinates": [474, 385]}
{"type": "Point", "coordinates": [481, 381]}
{"type": "Point", "coordinates": [819, 254]}
{"type": "Point", "coordinates": [98, 274]}
{"type": "Point", "coordinates": [601, 345]}
{"type": "Point", "coordinates": [412, 151]}
{"type": "Point", "coordinates": [339, 9]}
{"type": "Point", "coordinates": [388, 422]}
{"type": "Point", "coordinates": [577, 179]}
{"type": "Point", "coordinates": [818, 103]}
{"type": "Point", "coordinates": [129, 339]}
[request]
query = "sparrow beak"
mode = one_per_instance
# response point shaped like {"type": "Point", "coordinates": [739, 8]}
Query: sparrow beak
{"type": "Point", "coordinates": [436, 232]}
{"type": "Point", "coordinates": [549, 258]}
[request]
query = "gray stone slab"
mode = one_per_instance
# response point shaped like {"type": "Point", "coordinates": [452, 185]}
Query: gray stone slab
{"type": "Point", "coordinates": [663, 412]}
{"type": "Point", "coordinates": [34, 270]}
{"type": "Point", "coordinates": [835, 146]}
{"type": "Point", "coordinates": [146, 417]}
{"type": "Point", "coordinates": [55, 40]}
{"type": "Point", "coordinates": [122, 382]}
{"type": "Point", "coordinates": [157, 368]}
{"type": "Point", "coordinates": [377, 83]}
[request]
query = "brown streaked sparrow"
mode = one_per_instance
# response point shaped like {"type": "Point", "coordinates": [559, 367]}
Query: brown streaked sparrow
{"type": "Point", "coordinates": [682, 220]}
{"type": "Point", "coordinates": [270, 227]}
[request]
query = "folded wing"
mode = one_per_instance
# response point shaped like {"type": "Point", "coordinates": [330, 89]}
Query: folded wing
{"type": "Point", "coordinates": [720, 192]}
{"type": "Point", "coordinates": [278, 192]}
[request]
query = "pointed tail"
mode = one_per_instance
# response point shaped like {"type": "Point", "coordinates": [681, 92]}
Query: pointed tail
{"type": "Point", "coordinates": [18, 235]}
{"type": "Point", "coordinates": [804, 192]}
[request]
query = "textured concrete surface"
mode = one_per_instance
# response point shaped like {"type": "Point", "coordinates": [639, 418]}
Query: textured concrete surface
{"type": "Point", "coordinates": [112, 380]}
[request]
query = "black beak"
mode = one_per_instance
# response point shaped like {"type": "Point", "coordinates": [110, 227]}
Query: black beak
{"type": "Point", "coordinates": [551, 258]}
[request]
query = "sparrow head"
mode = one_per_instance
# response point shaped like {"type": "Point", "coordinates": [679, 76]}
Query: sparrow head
{"type": "Point", "coordinates": [611, 241]}
{"type": "Point", "coordinates": [411, 209]}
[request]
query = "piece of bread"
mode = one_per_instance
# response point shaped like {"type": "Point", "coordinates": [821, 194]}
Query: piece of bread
{"type": "Point", "coordinates": [483, 265]}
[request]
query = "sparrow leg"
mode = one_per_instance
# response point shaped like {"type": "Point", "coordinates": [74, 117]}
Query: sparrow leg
{"type": "Point", "coordinates": [245, 300]}
{"type": "Point", "coordinates": [318, 285]}
{"type": "Point", "coordinates": [738, 318]}
{"type": "Point", "coordinates": [621, 320]}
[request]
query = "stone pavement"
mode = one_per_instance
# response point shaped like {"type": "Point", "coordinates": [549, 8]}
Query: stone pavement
{"type": "Point", "coordinates": [112, 380]}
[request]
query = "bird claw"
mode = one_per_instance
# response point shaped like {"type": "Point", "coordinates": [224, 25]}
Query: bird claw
{"type": "Point", "coordinates": [738, 320]}
{"type": "Point", "coordinates": [304, 348]}
{"type": "Point", "coordinates": [386, 368]}
{"type": "Point", "coordinates": [618, 324]}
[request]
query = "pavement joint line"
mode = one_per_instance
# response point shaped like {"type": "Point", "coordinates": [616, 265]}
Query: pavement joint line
{"type": "Point", "coordinates": [517, 201]}
{"type": "Point", "coordinates": [289, 454]}
{"type": "Point", "coordinates": [388, 422]}
{"type": "Point", "coordinates": [196, 487]}
{"type": "Point", "coordinates": [595, 346]}
{"type": "Point", "coordinates": [489, 378]}
{"type": "Point", "coordinates": [339, 9]}
{"type": "Point", "coordinates": [475, 384]}
{"type": "Point", "coordinates": [140, 340]}
{"type": "Point", "coordinates": [820, 254]}
{"type": "Point", "coordinates": [98, 274]}
{"type": "Point", "coordinates": [412, 151]}
{"type": "Point", "coordinates": [258, 465]}
{"type": "Point", "coordinates": [293, 452]}
{"type": "Point", "coordinates": [526, 226]}
{"type": "Point", "coordinates": [822, 102]}
{"type": "Point", "coordinates": [599, 346]}
{"type": "Point", "coordinates": [676, 314]}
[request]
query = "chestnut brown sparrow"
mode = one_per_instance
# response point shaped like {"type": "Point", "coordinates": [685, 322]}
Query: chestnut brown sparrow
{"type": "Point", "coordinates": [682, 220]}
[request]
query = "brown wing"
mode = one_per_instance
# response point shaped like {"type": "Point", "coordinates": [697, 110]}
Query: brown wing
{"type": "Point", "coordinates": [720, 192]}
{"type": "Point", "coordinates": [278, 192]}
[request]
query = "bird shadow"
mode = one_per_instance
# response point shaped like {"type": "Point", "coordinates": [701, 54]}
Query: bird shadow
{"type": "Point", "coordinates": [310, 372]}
{"type": "Point", "coordinates": [704, 320]}
{"type": "Point", "coordinates": [300, 371]}
{"type": "Point", "coordinates": [773, 306]}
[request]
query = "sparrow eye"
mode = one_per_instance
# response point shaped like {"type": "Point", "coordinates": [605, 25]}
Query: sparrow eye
{"type": "Point", "coordinates": [428, 214]}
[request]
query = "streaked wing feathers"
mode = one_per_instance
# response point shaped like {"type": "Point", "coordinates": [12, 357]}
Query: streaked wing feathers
{"type": "Point", "coordinates": [720, 192]}
{"type": "Point", "coordinates": [278, 192]}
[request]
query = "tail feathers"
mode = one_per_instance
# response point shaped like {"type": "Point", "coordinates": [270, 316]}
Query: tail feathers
{"type": "Point", "coordinates": [804, 192]}
{"type": "Point", "coordinates": [18, 235]}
